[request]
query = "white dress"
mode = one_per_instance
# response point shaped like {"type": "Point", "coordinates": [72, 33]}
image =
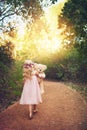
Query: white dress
{"type": "Point", "coordinates": [31, 93]}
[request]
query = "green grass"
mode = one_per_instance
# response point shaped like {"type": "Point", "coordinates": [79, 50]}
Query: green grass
{"type": "Point", "coordinates": [82, 88]}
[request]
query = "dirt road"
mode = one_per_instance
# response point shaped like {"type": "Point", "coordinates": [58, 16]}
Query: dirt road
{"type": "Point", "coordinates": [62, 109]}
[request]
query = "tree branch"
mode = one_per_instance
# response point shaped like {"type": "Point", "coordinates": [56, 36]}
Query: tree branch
{"type": "Point", "coordinates": [7, 16]}
{"type": "Point", "coordinates": [7, 9]}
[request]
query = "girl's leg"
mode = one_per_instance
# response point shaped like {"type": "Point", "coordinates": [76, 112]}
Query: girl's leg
{"type": "Point", "coordinates": [35, 108]}
{"type": "Point", "coordinates": [30, 112]}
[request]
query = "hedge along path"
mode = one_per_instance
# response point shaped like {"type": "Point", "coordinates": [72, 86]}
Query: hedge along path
{"type": "Point", "coordinates": [62, 109]}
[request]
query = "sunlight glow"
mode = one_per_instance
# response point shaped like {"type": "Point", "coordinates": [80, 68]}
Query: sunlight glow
{"type": "Point", "coordinates": [46, 37]}
{"type": "Point", "coordinates": [21, 30]}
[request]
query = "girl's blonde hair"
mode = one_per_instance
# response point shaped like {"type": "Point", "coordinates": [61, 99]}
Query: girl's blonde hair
{"type": "Point", "coordinates": [27, 71]}
{"type": "Point", "coordinates": [27, 74]}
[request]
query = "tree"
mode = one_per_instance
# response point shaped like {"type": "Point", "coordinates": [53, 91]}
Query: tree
{"type": "Point", "coordinates": [27, 9]}
{"type": "Point", "coordinates": [74, 14]}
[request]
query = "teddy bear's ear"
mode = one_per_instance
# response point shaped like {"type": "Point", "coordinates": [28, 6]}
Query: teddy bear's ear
{"type": "Point", "coordinates": [45, 67]}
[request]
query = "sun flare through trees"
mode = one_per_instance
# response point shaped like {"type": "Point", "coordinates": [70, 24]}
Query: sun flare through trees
{"type": "Point", "coordinates": [41, 38]}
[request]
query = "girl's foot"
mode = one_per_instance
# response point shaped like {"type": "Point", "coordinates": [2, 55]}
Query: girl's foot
{"type": "Point", "coordinates": [30, 116]}
{"type": "Point", "coordinates": [35, 111]}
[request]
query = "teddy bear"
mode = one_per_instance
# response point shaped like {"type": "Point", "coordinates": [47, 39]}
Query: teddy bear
{"type": "Point", "coordinates": [40, 68]}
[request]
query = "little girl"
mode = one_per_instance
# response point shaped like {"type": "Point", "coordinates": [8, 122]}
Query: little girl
{"type": "Point", "coordinates": [31, 91]}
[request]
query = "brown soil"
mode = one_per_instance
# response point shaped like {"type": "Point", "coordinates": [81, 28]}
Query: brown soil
{"type": "Point", "coordinates": [62, 109]}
